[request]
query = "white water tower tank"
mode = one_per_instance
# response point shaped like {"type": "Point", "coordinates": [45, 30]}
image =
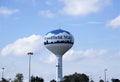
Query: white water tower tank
{"type": "Point", "coordinates": [58, 42]}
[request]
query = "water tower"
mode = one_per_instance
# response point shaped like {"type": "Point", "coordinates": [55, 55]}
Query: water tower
{"type": "Point", "coordinates": [58, 42]}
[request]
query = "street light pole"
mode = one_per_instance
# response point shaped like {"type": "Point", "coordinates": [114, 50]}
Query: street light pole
{"type": "Point", "coordinates": [30, 53]}
{"type": "Point", "coordinates": [3, 72]}
{"type": "Point", "coordinates": [105, 74]}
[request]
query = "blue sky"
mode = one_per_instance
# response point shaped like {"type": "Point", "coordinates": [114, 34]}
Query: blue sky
{"type": "Point", "coordinates": [95, 25]}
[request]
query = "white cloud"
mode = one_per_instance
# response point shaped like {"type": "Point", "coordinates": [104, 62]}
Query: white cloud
{"type": "Point", "coordinates": [21, 46]}
{"type": "Point", "coordinates": [51, 59]}
{"type": "Point", "coordinates": [6, 11]}
{"type": "Point", "coordinates": [118, 53]}
{"type": "Point", "coordinates": [88, 53]}
{"type": "Point", "coordinates": [114, 23]}
{"type": "Point", "coordinates": [83, 7]}
{"type": "Point", "coordinates": [46, 13]}
{"type": "Point", "coordinates": [73, 55]}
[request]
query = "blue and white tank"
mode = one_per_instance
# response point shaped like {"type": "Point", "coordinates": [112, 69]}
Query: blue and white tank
{"type": "Point", "coordinates": [58, 41]}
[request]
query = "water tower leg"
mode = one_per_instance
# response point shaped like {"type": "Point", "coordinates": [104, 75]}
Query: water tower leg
{"type": "Point", "coordinates": [59, 69]}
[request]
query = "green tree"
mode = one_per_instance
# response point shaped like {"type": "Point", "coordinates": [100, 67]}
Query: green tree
{"type": "Point", "coordinates": [115, 80]}
{"type": "Point", "coordinates": [36, 79]}
{"type": "Point", "coordinates": [91, 81]}
{"type": "Point", "coordinates": [76, 77]}
{"type": "Point", "coordinates": [101, 80]}
{"type": "Point", "coordinates": [18, 78]}
{"type": "Point", "coordinates": [53, 80]}
{"type": "Point", "coordinates": [33, 78]}
{"type": "Point", "coordinates": [4, 80]}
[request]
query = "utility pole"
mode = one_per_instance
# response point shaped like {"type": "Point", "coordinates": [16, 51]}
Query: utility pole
{"type": "Point", "coordinates": [105, 74]}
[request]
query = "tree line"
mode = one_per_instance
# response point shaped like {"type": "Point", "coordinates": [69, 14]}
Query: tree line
{"type": "Point", "coordinates": [76, 77]}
